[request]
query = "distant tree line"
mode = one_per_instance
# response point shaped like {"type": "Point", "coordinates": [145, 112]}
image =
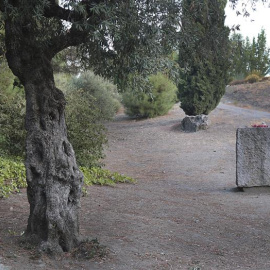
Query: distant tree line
{"type": "Point", "coordinates": [249, 57]}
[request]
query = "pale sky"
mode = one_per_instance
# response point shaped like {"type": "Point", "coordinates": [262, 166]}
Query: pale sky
{"type": "Point", "coordinates": [260, 19]}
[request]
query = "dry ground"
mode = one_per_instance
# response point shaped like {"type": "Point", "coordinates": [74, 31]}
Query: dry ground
{"type": "Point", "coordinates": [256, 95]}
{"type": "Point", "coordinates": [184, 212]}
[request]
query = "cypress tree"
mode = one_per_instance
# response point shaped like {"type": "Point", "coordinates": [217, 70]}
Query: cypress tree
{"type": "Point", "coordinates": [203, 55]}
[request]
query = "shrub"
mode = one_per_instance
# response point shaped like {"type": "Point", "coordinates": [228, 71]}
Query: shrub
{"type": "Point", "coordinates": [105, 93]}
{"type": "Point", "coordinates": [85, 131]}
{"type": "Point", "coordinates": [158, 102]}
{"type": "Point", "coordinates": [6, 78]}
{"type": "Point", "coordinates": [91, 101]}
{"type": "Point", "coordinates": [12, 132]}
{"type": "Point", "coordinates": [252, 78]}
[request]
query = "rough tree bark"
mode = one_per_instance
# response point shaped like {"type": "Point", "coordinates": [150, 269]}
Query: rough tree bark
{"type": "Point", "coordinates": [53, 177]}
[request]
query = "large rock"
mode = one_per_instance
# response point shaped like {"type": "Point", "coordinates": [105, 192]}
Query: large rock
{"type": "Point", "coordinates": [195, 123]}
{"type": "Point", "coordinates": [253, 157]}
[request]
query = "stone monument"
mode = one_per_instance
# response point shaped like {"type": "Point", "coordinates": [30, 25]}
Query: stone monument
{"type": "Point", "coordinates": [253, 157]}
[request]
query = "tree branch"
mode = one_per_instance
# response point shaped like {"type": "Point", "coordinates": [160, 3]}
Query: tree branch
{"type": "Point", "coordinates": [55, 11]}
{"type": "Point", "coordinates": [73, 37]}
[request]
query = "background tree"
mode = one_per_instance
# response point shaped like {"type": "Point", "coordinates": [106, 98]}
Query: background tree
{"type": "Point", "coordinates": [247, 58]}
{"type": "Point", "coordinates": [238, 57]}
{"type": "Point", "coordinates": [108, 34]}
{"type": "Point", "coordinates": [203, 55]}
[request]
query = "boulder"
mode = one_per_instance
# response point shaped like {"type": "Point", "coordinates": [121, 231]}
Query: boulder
{"type": "Point", "coordinates": [253, 157]}
{"type": "Point", "coordinates": [195, 123]}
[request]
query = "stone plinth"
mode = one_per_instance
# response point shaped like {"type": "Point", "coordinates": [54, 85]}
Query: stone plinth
{"type": "Point", "coordinates": [253, 157]}
{"type": "Point", "coordinates": [195, 123]}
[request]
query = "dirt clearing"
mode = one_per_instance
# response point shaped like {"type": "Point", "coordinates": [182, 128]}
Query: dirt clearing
{"type": "Point", "coordinates": [184, 212]}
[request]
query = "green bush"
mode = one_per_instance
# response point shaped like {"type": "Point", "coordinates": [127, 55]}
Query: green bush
{"type": "Point", "coordinates": [158, 102]}
{"type": "Point", "coordinates": [12, 132]}
{"type": "Point", "coordinates": [88, 106]}
{"type": "Point", "coordinates": [252, 78]}
{"type": "Point", "coordinates": [91, 101]}
{"type": "Point", "coordinates": [6, 77]}
{"type": "Point", "coordinates": [85, 131]}
{"type": "Point", "coordinates": [105, 93]}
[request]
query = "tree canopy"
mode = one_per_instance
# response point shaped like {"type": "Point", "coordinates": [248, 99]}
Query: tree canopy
{"type": "Point", "coordinates": [112, 36]}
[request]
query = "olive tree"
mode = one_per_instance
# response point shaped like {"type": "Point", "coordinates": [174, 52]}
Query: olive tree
{"type": "Point", "coordinates": [109, 34]}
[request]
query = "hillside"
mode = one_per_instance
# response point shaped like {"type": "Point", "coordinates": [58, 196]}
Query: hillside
{"type": "Point", "coordinates": [256, 95]}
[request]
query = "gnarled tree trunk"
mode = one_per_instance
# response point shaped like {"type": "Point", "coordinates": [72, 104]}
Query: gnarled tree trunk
{"type": "Point", "coordinates": [53, 177]}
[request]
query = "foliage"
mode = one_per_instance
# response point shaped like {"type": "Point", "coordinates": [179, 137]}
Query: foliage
{"type": "Point", "coordinates": [252, 78]}
{"type": "Point", "coordinates": [99, 176]}
{"type": "Point", "coordinates": [157, 102]}
{"type": "Point", "coordinates": [135, 41]}
{"type": "Point", "coordinates": [104, 91]}
{"type": "Point", "coordinates": [203, 47]}
{"type": "Point", "coordinates": [113, 39]}
{"type": "Point", "coordinates": [85, 132]}
{"type": "Point", "coordinates": [12, 176]}
{"type": "Point", "coordinates": [6, 78]}
{"type": "Point", "coordinates": [67, 61]}
{"type": "Point", "coordinates": [86, 110]}
{"type": "Point", "coordinates": [12, 114]}
{"type": "Point", "coordinates": [238, 57]}
{"type": "Point", "coordinates": [247, 57]}
{"type": "Point", "coordinates": [63, 81]}
{"type": "Point", "coordinates": [91, 101]}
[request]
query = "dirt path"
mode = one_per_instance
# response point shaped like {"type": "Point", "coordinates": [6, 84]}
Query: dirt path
{"type": "Point", "coordinates": [184, 211]}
